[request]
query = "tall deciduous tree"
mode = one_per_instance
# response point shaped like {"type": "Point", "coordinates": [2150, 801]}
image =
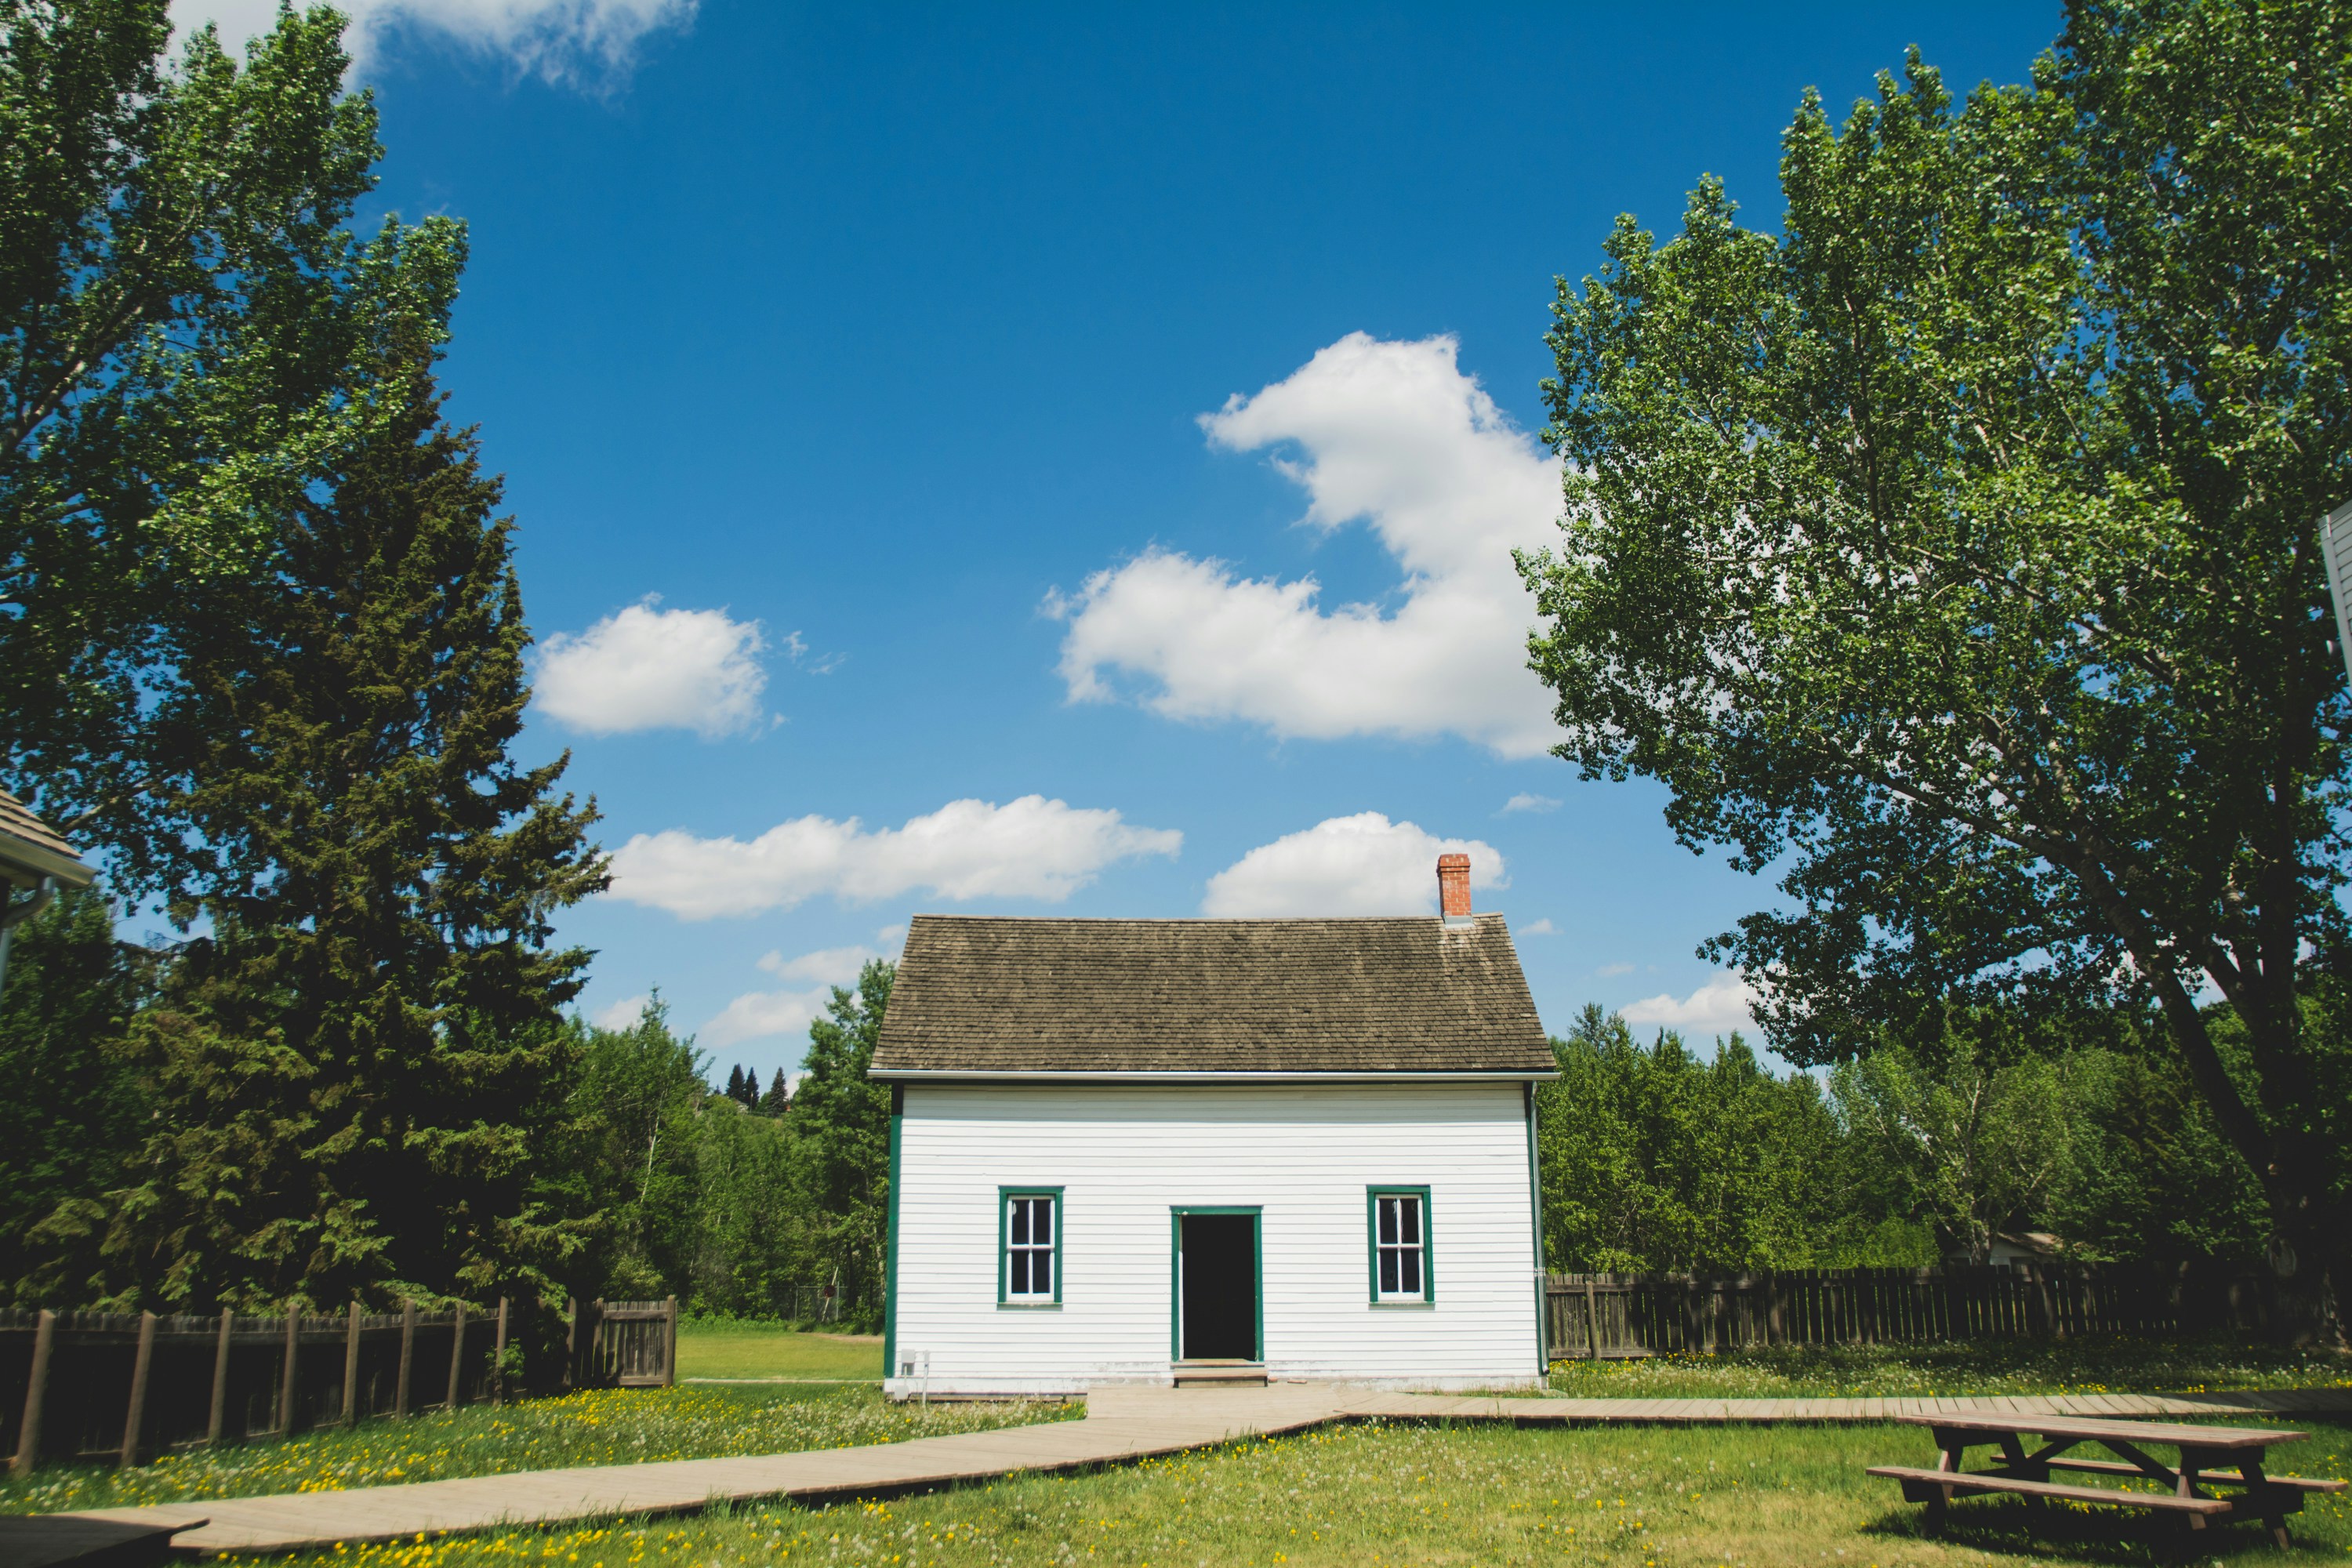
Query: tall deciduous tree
{"type": "Point", "coordinates": [364, 1059]}
{"type": "Point", "coordinates": [841, 1120]}
{"type": "Point", "coordinates": [1954, 553]}
{"type": "Point", "coordinates": [189, 342]}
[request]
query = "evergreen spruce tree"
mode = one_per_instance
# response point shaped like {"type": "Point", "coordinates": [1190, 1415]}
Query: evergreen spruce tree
{"type": "Point", "coordinates": [70, 1105]}
{"type": "Point", "coordinates": [363, 1058]}
{"type": "Point", "coordinates": [779, 1098]}
{"type": "Point", "coordinates": [735, 1084]}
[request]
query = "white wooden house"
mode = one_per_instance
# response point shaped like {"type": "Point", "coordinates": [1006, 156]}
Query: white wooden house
{"type": "Point", "coordinates": [1214, 1150]}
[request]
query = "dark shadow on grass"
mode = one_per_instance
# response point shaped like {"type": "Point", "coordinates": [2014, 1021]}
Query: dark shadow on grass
{"type": "Point", "coordinates": [2010, 1527]}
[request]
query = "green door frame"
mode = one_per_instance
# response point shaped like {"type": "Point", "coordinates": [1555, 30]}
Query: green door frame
{"type": "Point", "coordinates": [1176, 1213]}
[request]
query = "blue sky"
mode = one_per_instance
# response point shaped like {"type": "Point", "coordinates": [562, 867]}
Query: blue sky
{"type": "Point", "coordinates": [1061, 460]}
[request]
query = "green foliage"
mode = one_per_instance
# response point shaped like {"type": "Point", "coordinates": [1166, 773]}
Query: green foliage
{"type": "Point", "coordinates": [1973, 1149]}
{"type": "Point", "coordinates": [191, 343]}
{"type": "Point", "coordinates": [2149, 1175]}
{"type": "Point", "coordinates": [1652, 1159]}
{"type": "Point", "coordinates": [841, 1118]}
{"type": "Point", "coordinates": [358, 1062]}
{"type": "Point", "coordinates": [630, 1154]}
{"type": "Point", "coordinates": [70, 1105]}
{"type": "Point", "coordinates": [1953, 553]}
{"type": "Point", "coordinates": [728, 1207]}
{"type": "Point", "coordinates": [756, 1223]}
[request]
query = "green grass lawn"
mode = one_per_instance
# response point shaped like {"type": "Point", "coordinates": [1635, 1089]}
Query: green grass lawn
{"type": "Point", "coordinates": [2100, 1365]}
{"type": "Point", "coordinates": [605, 1427]}
{"type": "Point", "coordinates": [1778, 1497]}
{"type": "Point", "coordinates": [763, 1350]}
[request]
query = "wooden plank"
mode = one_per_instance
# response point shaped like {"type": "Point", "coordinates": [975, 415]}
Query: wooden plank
{"type": "Point", "coordinates": [2129, 1431]}
{"type": "Point", "coordinates": [408, 1355]}
{"type": "Point", "coordinates": [1978, 1482]}
{"type": "Point", "coordinates": [499, 1358]}
{"type": "Point", "coordinates": [352, 1367]}
{"type": "Point", "coordinates": [457, 1354]}
{"type": "Point", "coordinates": [216, 1419]}
{"type": "Point", "coordinates": [134, 1418]}
{"type": "Point", "coordinates": [287, 1382]}
{"type": "Point", "coordinates": [36, 1387]}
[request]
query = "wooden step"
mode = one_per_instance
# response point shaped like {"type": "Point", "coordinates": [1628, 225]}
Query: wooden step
{"type": "Point", "coordinates": [1219, 1374]}
{"type": "Point", "coordinates": [1927, 1486]}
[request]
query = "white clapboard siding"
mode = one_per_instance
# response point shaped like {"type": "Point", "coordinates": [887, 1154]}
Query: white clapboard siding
{"type": "Point", "coordinates": [1123, 1156]}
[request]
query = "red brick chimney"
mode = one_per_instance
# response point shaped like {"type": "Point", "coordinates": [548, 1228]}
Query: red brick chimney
{"type": "Point", "coordinates": [1454, 889]}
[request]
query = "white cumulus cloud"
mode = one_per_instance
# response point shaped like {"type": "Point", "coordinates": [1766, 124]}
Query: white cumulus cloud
{"type": "Point", "coordinates": [1525, 801]}
{"type": "Point", "coordinates": [831, 966]}
{"type": "Point", "coordinates": [622, 1014]}
{"type": "Point", "coordinates": [756, 1015]}
{"type": "Point", "coordinates": [1541, 928]}
{"type": "Point", "coordinates": [561, 40]}
{"type": "Point", "coordinates": [1717, 1007]}
{"type": "Point", "coordinates": [1392, 434]}
{"type": "Point", "coordinates": [1028, 848]}
{"type": "Point", "coordinates": [1360, 865]}
{"type": "Point", "coordinates": [645, 668]}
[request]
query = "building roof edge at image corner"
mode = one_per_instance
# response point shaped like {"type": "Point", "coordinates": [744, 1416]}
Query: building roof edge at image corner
{"type": "Point", "coordinates": [30, 848]}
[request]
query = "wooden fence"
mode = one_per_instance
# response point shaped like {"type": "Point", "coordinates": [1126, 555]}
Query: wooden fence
{"type": "Point", "coordinates": [1612, 1316]}
{"type": "Point", "coordinates": [98, 1386]}
{"type": "Point", "coordinates": [623, 1344]}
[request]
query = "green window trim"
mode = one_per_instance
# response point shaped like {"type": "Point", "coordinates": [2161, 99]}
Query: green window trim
{"type": "Point", "coordinates": [1004, 1299]}
{"type": "Point", "coordinates": [1372, 1196]}
{"type": "Point", "coordinates": [890, 1240]}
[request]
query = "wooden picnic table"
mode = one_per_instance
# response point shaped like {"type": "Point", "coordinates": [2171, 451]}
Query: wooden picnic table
{"type": "Point", "coordinates": [2218, 1477]}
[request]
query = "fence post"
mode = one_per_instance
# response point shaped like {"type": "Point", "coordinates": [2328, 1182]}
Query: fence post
{"type": "Point", "coordinates": [572, 1343]}
{"type": "Point", "coordinates": [669, 1360]}
{"type": "Point", "coordinates": [407, 1355]}
{"type": "Point", "coordinates": [352, 1368]}
{"type": "Point", "coordinates": [218, 1420]}
{"type": "Point", "coordinates": [499, 1358]}
{"type": "Point", "coordinates": [457, 1351]}
{"type": "Point", "coordinates": [29, 1429]}
{"type": "Point", "coordinates": [135, 1418]}
{"type": "Point", "coordinates": [1592, 1316]}
{"type": "Point", "coordinates": [286, 1382]}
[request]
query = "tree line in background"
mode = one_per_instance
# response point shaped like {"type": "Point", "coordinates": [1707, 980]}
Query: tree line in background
{"type": "Point", "coordinates": [1654, 1158]}
{"type": "Point", "coordinates": [654, 1182]}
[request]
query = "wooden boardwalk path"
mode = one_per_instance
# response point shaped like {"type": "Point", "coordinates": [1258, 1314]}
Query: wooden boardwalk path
{"type": "Point", "coordinates": [1120, 1424]}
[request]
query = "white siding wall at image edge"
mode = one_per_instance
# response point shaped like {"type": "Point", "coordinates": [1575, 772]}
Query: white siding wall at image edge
{"type": "Point", "coordinates": [1124, 1156]}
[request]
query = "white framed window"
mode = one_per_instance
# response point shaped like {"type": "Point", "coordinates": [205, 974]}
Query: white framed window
{"type": "Point", "coordinates": [1029, 1247]}
{"type": "Point", "coordinates": [1398, 1245]}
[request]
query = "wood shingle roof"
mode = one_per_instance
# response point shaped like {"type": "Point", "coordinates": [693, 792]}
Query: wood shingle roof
{"type": "Point", "coordinates": [30, 849]}
{"type": "Point", "coordinates": [982, 997]}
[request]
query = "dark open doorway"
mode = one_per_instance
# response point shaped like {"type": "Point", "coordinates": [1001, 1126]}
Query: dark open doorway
{"type": "Point", "coordinates": [1217, 1265]}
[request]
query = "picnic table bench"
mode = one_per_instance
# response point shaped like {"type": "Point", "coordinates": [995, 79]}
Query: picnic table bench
{"type": "Point", "coordinates": [2211, 1458]}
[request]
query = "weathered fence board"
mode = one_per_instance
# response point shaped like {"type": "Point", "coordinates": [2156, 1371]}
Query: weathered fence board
{"type": "Point", "coordinates": [100, 1384]}
{"type": "Point", "coordinates": [625, 1344]}
{"type": "Point", "coordinates": [1613, 1315]}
